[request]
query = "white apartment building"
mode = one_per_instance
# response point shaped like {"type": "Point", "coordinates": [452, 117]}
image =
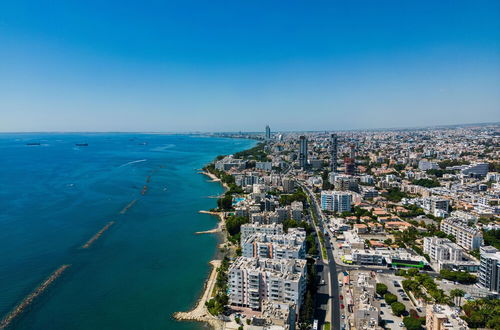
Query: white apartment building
{"type": "Point", "coordinates": [337, 201]}
{"type": "Point", "coordinates": [286, 246]}
{"type": "Point", "coordinates": [489, 269]}
{"type": "Point", "coordinates": [229, 162]}
{"type": "Point", "coordinates": [431, 204]}
{"type": "Point", "coordinates": [467, 237]}
{"type": "Point", "coordinates": [255, 228]}
{"type": "Point", "coordinates": [442, 249]}
{"type": "Point", "coordinates": [253, 281]}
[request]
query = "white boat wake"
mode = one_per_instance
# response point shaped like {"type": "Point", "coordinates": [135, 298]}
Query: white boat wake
{"type": "Point", "coordinates": [133, 162]}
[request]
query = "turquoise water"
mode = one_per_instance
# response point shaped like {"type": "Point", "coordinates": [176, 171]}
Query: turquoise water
{"type": "Point", "coordinates": [237, 200]}
{"type": "Point", "coordinates": [149, 264]}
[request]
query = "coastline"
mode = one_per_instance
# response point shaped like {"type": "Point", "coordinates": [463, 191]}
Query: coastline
{"type": "Point", "coordinates": [199, 312]}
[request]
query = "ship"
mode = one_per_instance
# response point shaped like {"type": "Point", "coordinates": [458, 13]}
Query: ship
{"type": "Point", "coordinates": [33, 143]}
{"type": "Point", "coordinates": [81, 144]}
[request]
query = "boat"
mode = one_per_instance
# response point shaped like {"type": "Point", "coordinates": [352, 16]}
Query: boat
{"type": "Point", "coordinates": [81, 144]}
{"type": "Point", "coordinates": [33, 143]}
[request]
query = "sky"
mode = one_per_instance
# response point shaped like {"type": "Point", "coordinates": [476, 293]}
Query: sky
{"type": "Point", "coordinates": [176, 66]}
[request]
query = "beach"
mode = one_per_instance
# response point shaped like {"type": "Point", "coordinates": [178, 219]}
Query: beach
{"type": "Point", "coordinates": [200, 312]}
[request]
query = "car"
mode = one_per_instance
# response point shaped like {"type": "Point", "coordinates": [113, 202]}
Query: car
{"type": "Point", "coordinates": [342, 306]}
{"type": "Point", "coordinates": [340, 284]}
{"type": "Point", "coordinates": [379, 271]}
{"type": "Point", "coordinates": [406, 299]}
{"type": "Point", "coordinates": [343, 316]}
{"type": "Point", "coordinates": [401, 324]}
{"type": "Point", "coordinates": [401, 290]}
{"type": "Point", "coordinates": [381, 312]}
{"type": "Point", "coordinates": [382, 304]}
{"type": "Point", "coordinates": [419, 309]}
{"type": "Point", "coordinates": [341, 297]}
{"type": "Point", "coordinates": [322, 282]}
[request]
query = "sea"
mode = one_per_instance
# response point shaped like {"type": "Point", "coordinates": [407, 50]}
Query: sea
{"type": "Point", "coordinates": [55, 196]}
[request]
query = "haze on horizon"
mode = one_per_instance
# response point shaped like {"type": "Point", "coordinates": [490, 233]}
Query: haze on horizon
{"type": "Point", "coordinates": [230, 65]}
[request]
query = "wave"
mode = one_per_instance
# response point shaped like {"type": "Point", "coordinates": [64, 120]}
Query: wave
{"type": "Point", "coordinates": [133, 162]}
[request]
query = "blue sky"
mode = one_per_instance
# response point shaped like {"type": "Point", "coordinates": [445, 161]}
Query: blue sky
{"type": "Point", "coordinates": [239, 65]}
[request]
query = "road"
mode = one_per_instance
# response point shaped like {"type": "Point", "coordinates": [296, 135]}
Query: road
{"type": "Point", "coordinates": [333, 281]}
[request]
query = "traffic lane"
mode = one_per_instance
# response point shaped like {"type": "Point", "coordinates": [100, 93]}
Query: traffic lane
{"type": "Point", "coordinates": [322, 295]}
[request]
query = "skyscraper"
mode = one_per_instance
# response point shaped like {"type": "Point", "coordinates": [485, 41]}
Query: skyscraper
{"type": "Point", "coordinates": [268, 133]}
{"type": "Point", "coordinates": [334, 164]}
{"type": "Point", "coordinates": [303, 152]}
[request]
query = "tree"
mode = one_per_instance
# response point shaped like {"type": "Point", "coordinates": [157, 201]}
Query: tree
{"type": "Point", "coordinates": [381, 289]}
{"type": "Point", "coordinates": [225, 203]}
{"type": "Point", "coordinates": [398, 308]}
{"type": "Point", "coordinates": [412, 272]}
{"type": "Point", "coordinates": [412, 323]}
{"type": "Point", "coordinates": [457, 293]}
{"type": "Point", "coordinates": [390, 298]}
{"type": "Point", "coordinates": [233, 224]}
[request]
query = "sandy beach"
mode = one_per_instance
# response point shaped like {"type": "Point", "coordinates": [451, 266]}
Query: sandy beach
{"type": "Point", "coordinates": [200, 313]}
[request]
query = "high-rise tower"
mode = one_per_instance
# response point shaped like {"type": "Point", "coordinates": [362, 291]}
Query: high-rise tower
{"type": "Point", "coordinates": [268, 133]}
{"type": "Point", "coordinates": [303, 152]}
{"type": "Point", "coordinates": [333, 150]}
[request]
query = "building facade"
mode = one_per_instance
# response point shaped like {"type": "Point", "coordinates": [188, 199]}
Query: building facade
{"type": "Point", "coordinates": [336, 201]}
{"type": "Point", "coordinates": [253, 281]}
{"type": "Point", "coordinates": [467, 237]}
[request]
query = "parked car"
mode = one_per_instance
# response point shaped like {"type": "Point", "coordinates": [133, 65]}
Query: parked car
{"type": "Point", "coordinates": [341, 297]}
{"type": "Point", "coordinates": [342, 306]}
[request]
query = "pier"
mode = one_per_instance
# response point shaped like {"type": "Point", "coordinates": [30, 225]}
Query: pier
{"type": "Point", "coordinates": [7, 320]}
{"type": "Point", "coordinates": [129, 205]}
{"type": "Point", "coordinates": [97, 235]}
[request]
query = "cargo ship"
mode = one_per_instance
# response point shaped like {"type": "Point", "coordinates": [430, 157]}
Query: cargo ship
{"type": "Point", "coordinates": [33, 143]}
{"type": "Point", "coordinates": [81, 144]}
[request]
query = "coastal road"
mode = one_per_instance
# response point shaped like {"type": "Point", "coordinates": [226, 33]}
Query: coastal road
{"type": "Point", "coordinates": [332, 281]}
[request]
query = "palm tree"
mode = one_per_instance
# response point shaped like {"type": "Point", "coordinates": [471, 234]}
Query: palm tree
{"type": "Point", "coordinates": [457, 293]}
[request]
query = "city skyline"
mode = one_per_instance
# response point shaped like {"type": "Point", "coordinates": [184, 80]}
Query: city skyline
{"type": "Point", "coordinates": [213, 67]}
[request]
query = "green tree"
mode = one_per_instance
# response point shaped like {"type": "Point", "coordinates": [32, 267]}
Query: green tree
{"type": "Point", "coordinates": [390, 298]}
{"type": "Point", "coordinates": [412, 323]}
{"type": "Point", "coordinates": [233, 224]}
{"type": "Point", "coordinates": [225, 203]}
{"type": "Point", "coordinates": [381, 289]}
{"type": "Point", "coordinates": [457, 293]}
{"type": "Point", "coordinates": [398, 308]}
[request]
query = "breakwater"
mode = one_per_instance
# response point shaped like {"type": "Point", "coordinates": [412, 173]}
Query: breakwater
{"type": "Point", "coordinates": [129, 205]}
{"type": "Point", "coordinates": [7, 320]}
{"type": "Point", "coordinates": [97, 235]}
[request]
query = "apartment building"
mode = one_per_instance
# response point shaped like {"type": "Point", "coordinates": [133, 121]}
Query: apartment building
{"type": "Point", "coordinates": [443, 317]}
{"type": "Point", "coordinates": [229, 162]}
{"type": "Point", "coordinates": [255, 228]}
{"type": "Point", "coordinates": [467, 237]}
{"type": "Point", "coordinates": [253, 281]}
{"type": "Point", "coordinates": [442, 249]}
{"type": "Point", "coordinates": [336, 201]}
{"type": "Point", "coordinates": [286, 246]}
{"type": "Point", "coordinates": [489, 269]}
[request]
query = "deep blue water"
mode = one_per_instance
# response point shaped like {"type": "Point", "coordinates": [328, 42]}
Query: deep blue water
{"type": "Point", "coordinates": [149, 264]}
